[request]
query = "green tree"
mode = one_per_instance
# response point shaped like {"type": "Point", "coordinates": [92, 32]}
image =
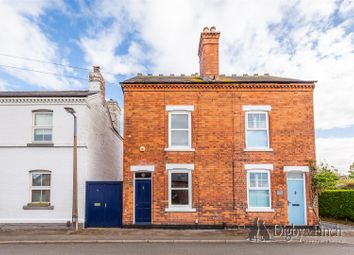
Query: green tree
{"type": "Point", "coordinates": [326, 177]}
{"type": "Point", "coordinates": [351, 171]}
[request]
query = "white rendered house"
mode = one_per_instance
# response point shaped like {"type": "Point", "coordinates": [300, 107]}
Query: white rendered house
{"type": "Point", "coordinates": [36, 150]}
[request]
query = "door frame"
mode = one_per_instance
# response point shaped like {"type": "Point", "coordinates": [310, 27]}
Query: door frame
{"type": "Point", "coordinates": [134, 192]}
{"type": "Point", "coordinates": [87, 183]}
{"type": "Point", "coordinates": [298, 170]}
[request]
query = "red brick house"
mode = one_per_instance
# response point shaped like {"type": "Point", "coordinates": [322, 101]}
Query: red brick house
{"type": "Point", "coordinates": [211, 149]}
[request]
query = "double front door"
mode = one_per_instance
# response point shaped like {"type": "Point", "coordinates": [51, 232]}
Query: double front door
{"type": "Point", "coordinates": [103, 204]}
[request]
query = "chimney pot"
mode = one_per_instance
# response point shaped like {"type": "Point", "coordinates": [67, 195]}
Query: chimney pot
{"type": "Point", "coordinates": [205, 29]}
{"type": "Point", "coordinates": [213, 29]}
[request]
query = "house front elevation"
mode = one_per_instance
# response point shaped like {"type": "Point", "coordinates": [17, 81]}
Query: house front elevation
{"type": "Point", "coordinates": [210, 149]}
{"type": "Point", "coordinates": [36, 153]}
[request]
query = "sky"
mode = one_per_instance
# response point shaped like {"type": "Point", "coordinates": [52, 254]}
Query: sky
{"type": "Point", "coordinates": [61, 40]}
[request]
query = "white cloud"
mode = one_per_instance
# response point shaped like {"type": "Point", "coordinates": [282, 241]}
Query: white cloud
{"type": "Point", "coordinates": [22, 36]}
{"type": "Point", "coordinates": [289, 38]}
{"type": "Point", "coordinates": [300, 39]}
{"type": "Point", "coordinates": [338, 152]}
{"type": "Point", "coordinates": [2, 85]}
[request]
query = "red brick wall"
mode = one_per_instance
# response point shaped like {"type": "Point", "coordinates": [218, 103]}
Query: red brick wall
{"type": "Point", "coordinates": [218, 137]}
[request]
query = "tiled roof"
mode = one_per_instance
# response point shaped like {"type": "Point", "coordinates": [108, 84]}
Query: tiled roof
{"type": "Point", "coordinates": [62, 93]}
{"type": "Point", "coordinates": [222, 79]}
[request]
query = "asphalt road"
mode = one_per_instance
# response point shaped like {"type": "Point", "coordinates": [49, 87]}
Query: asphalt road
{"type": "Point", "coordinates": [178, 249]}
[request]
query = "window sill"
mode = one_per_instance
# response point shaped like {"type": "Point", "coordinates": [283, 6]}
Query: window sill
{"type": "Point", "coordinates": [40, 145]}
{"type": "Point", "coordinates": [258, 149]}
{"type": "Point", "coordinates": [174, 209]}
{"type": "Point", "coordinates": [38, 207]}
{"type": "Point", "coordinates": [179, 149]}
{"type": "Point", "coordinates": [259, 210]}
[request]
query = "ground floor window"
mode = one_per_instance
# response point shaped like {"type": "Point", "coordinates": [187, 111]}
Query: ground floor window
{"type": "Point", "coordinates": [258, 188]}
{"type": "Point", "coordinates": [40, 187]}
{"type": "Point", "coordinates": [180, 189]}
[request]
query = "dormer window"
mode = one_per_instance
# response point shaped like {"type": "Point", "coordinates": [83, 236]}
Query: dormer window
{"type": "Point", "coordinates": [43, 126]}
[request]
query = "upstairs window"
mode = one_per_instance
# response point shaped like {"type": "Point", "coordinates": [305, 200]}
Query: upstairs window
{"type": "Point", "coordinates": [257, 130]}
{"type": "Point", "coordinates": [42, 126]}
{"type": "Point", "coordinates": [179, 127]}
{"type": "Point", "coordinates": [40, 187]}
{"type": "Point", "coordinates": [257, 127]}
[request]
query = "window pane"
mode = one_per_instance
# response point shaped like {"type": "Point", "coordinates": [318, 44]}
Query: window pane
{"type": "Point", "coordinates": [263, 180]}
{"type": "Point", "coordinates": [42, 134]}
{"type": "Point", "coordinates": [36, 180]}
{"type": "Point", "coordinates": [295, 175]}
{"type": "Point", "coordinates": [179, 180]}
{"type": "Point", "coordinates": [142, 175]}
{"type": "Point", "coordinates": [257, 120]}
{"type": "Point", "coordinates": [43, 119]}
{"type": "Point", "coordinates": [179, 138]}
{"type": "Point", "coordinates": [36, 196]}
{"type": "Point", "coordinates": [45, 195]}
{"type": "Point", "coordinates": [179, 197]}
{"type": "Point", "coordinates": [259, 198]}
{"type": "Point", "coordinates": [45, 179]}
{"type": "Point", "coordinates": [257, 138]}
{"type": "Point", "coordinates": [253, 182]}
{"type": "Point", "coordinates": [179, 121]}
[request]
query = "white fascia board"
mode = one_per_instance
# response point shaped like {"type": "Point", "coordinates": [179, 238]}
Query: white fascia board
{"type": "Point", "coordinates": [248, 108]}
{"type": "Point", "coordinates": [259, 167]}
{"type": "Point", "coordinates": [188, 108]}
{"type": "Point", "coordinates": [179, 166]}
{"type": "Point", "coordinates": [142, 168]}
{"type": "Point", "coordinates": [304, 169]}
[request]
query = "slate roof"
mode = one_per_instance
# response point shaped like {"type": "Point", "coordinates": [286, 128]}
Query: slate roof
{"type": "Point", "coordinates": [223, 79]}
{"type": "Point", "coordinates": [62, 93]}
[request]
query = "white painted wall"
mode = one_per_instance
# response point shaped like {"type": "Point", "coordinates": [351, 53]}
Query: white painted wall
{"type": "Point", "coordinates": [99, 158]}
{"type": "Point", "coordinates": [105, 154]}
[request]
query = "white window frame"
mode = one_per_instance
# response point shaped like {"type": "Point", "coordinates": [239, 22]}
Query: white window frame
{"type": "Point", "coordinates": [266, 170]}
{"type": "Point", "coordinates": [34, 127]}
{"type": "Point", "coordinates": [183, 110]}
{"type": "Point", "coordinates": [180, 168]}
{"type": "Point", "coordinates": [40, 187]}
{"type": "Point", "coordinates": [257, 109]}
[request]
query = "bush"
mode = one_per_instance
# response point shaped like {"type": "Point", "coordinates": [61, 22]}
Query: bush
{"type": "Point", "coordinates": [338, 204]}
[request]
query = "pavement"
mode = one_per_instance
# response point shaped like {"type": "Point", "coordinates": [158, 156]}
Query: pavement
{"type": "Point", "coordinates": [177, 249]}
{"type": "Point", "coordinates": [125, 236]}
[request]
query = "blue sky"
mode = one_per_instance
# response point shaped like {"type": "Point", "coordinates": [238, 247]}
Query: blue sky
{"type": "Point", "coordinates": [300, 39]}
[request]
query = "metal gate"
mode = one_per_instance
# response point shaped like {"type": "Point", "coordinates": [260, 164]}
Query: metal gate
{"type": "Point", "coordinates": [103, 204]}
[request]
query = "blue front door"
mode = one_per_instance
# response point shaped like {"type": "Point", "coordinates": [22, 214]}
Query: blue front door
{"type": "Point", "coordinates": [296, 203]}
{"type": "Point", "coordinates": [143, 201]}
{"type": "Point", "coordinates": [103, 204]}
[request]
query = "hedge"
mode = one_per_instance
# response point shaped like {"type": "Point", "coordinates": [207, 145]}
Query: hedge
{"type": "Point", "coordinates": [338, 204]}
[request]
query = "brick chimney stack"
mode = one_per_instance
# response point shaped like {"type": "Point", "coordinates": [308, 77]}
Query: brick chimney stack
{"type": "Point", "coordinates": [209, 54]}
{"type": "Point", "coordinates": [97, 82]}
